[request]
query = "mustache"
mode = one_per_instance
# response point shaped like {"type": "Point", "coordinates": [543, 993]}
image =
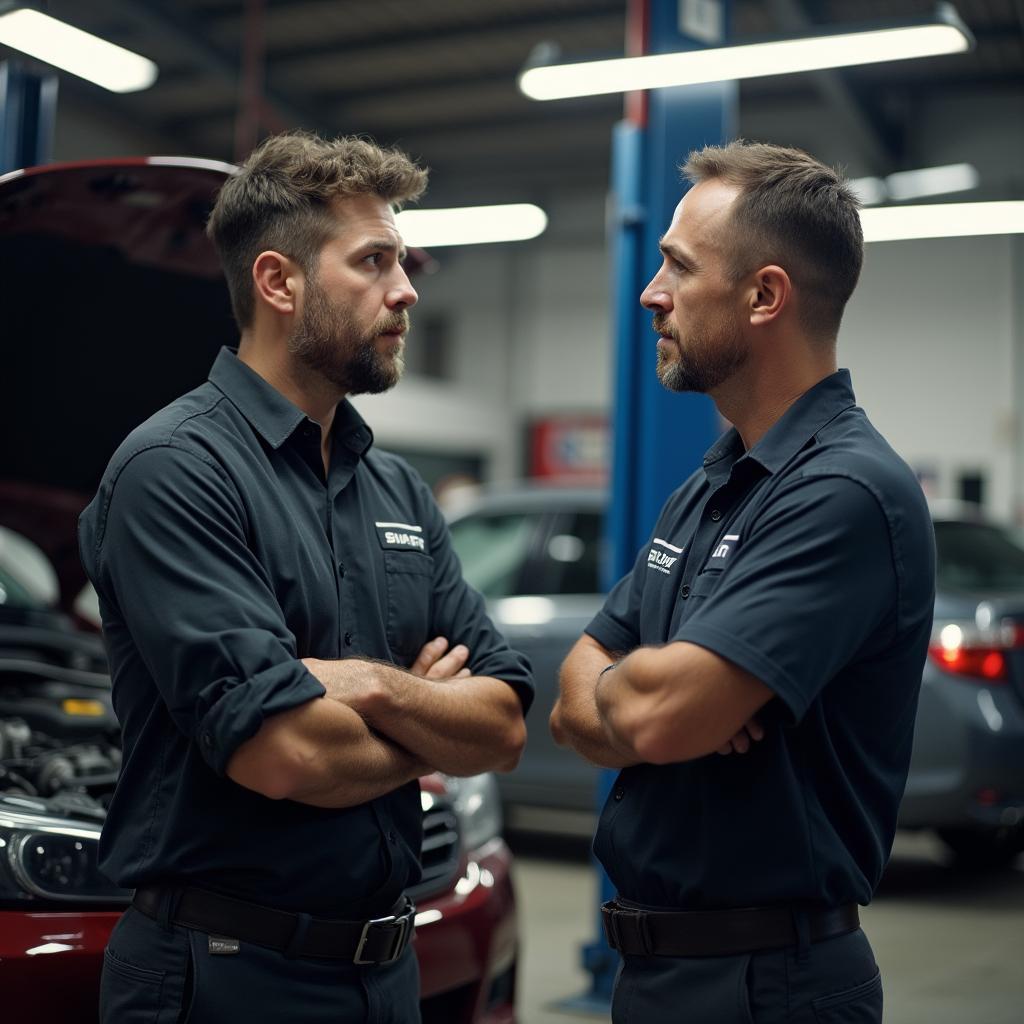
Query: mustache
{"type": "Point", "coordinates": [660, 325]}
{"type": "Point", "coordinates": [392, 323]}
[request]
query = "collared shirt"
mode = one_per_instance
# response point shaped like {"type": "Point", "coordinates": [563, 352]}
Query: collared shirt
{"type": "Point", "coordinates": [222, 556]}
{"type": "Point", "coordinates": [809, 562]}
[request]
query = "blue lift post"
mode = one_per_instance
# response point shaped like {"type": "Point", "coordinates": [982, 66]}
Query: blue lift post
{"type": "Point", "coordinates": [28, 108]}
{"type": "Point", "coordinates": [659, 438]}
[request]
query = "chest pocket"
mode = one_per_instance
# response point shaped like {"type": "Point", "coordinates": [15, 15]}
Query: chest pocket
{"type": "Point", "coordinates": [409, 579]}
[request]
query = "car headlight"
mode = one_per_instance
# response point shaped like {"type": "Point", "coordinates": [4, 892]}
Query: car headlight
{"type": "Point", "coordinates": [49, 859]}
{"type": "Point", "coordinates": [478, 806]}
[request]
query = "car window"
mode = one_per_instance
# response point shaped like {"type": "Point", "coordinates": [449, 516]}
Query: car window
{"type": "Point", "coordinates": [570, 559]}
{"type": "Point", "coordinates": [494, 549]}
{"type": "Point", "coordinates": [27, 579]}
{"type": "Point", "coordinates": [977, 556]}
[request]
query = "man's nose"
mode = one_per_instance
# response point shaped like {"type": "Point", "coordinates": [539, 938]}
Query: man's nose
{"type": "Point", "coordinates": [655, 297]}
{"type": "Point", "coordinates": [402, 295]}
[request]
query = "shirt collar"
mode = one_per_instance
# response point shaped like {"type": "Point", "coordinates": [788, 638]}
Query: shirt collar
{"type": "Point", "coordinates": [800, 422]}
{"type": "Point", "coordinates": [275, 418]}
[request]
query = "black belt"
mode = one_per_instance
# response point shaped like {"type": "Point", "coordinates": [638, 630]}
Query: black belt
{"type": "Point", "coordinates": [380, 940]}
{"type": "Point", "coordinates": [719, 932]}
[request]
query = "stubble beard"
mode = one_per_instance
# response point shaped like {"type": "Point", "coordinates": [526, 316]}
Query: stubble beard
{"type": "Point", "coordinates": [328, 342]}
{"type": "Point", "coordinates": [711, 357]}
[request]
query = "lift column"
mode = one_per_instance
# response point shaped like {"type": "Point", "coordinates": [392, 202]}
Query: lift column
{"type": "Point", "coordinates": [659, 438]}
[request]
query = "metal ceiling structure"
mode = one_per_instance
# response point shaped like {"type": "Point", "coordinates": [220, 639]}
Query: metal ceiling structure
{"type": "Point", "coordinates": [438, 77]}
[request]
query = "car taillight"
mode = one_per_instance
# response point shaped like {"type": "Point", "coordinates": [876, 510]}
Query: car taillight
{"type": "Point", "coordinates": [977, 654]}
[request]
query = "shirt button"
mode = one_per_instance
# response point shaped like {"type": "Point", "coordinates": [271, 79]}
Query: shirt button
{"type": "Point", "coordinates": [684, 590]}
{"type": "Point", "coordinates": [392, 837]}
{"type": "Point", "coordinates": [341, 569]}
{"type": "Point", "coordinates": [619, 793]}
{"type": "Point", "coordinates": [715, 515]}
{"type": "Point", "coordinates": [207, 740]}
{"type": "Point", "coordinates": [348, 639]}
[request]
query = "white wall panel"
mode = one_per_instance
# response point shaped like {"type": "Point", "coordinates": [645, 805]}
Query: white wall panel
{"type": "Point", "coordinates": [928, 337]}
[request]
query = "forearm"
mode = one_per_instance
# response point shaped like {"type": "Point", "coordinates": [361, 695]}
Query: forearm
{"type": "Point", "coordinates": [323, 754]}
{"type": "Point", "coordinates": [457, 726]}
{"type": "Point", "coordinates": [575, 721]}
{"type": "Point", "coordinates": [677, 703]}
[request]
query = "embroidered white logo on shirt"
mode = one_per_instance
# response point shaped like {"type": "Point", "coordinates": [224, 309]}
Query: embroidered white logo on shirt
{"type": "Point", "coordinates": [728, 543]}
{"type": "Point", "coordinates": [659, 560]}
{"type": "Point", "coordinates": [401, 535]}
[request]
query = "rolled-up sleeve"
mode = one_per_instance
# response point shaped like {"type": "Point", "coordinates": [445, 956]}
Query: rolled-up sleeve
{"type": "Point", "coordinates": [459, 613]}
{"type": "Point", "coordinates": [168, 554]}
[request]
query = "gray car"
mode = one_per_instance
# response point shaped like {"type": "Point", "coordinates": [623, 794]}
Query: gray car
{"type": "Point", "coordinates": [535, 553]}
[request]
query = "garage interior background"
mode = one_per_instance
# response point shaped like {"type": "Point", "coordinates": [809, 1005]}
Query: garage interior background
{"type": "Point", "coordinates": [522, 331]}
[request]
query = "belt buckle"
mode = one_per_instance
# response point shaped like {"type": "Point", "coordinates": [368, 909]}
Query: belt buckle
{"type": "Point", "coordinates": [401, 935]}
{"type": "Point", "coordinates": [623, 923]}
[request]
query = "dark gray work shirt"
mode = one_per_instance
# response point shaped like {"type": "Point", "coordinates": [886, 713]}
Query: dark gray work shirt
{"type": "Point", "coordinates": [222, 556]}
{"type": "Point", "coordinates": [809, 562]}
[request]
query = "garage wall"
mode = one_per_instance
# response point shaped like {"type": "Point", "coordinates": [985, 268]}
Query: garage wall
{"type": "Point", "coordinates": [929, 337]}
{"type": "Point", "coordinates": [934, 335]}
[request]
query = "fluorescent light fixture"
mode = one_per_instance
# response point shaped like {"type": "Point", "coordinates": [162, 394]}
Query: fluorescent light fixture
{"type": "Point", "coordinates": [943, 34]}
{"type": "Point", "coordinates": [932, 181]}
{"type": "Point", "coordinates": [471, 225]}
{"type": "Point", "coordinates": [71, 49]}
{"type": "Point", "coordinates": [870, 191]}
{"type": "Point", "coordinates": [943, 220]}
{"type": "Point", "coordinates": [928, 181]}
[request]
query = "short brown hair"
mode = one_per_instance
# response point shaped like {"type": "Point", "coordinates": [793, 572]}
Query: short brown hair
{"type": "Point", "coordinates": [280, 198]}
{"type": "Point", "coordinates": [793, 211]}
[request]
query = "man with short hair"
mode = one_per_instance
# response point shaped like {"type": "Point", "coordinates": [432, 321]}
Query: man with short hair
{"type": "Point", "coordinates": [780, 610]}
{"type": "Point", "coordinates": [291, 641]}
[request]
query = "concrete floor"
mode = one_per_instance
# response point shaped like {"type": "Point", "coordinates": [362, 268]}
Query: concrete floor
{"type": "Point", "coordinates": [950, 944]}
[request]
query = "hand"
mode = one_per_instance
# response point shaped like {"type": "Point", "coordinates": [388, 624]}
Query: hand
{"type": "Point", "coordinates": [751, 733]}
{"type": "Point", "coordinates": [433, 663]}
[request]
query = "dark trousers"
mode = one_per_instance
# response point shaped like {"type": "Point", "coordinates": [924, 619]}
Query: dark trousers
{"type": "Point", "coordinates": [161, 973]}
{"type": "Point", "coordinates": [831, 982]}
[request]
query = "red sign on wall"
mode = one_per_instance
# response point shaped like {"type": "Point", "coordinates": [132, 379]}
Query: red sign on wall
{"type": "Point", "coordinates": [571, 448]}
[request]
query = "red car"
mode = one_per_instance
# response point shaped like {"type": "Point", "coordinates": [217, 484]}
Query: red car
{"type": "Point", "coordinates": [114, 305]}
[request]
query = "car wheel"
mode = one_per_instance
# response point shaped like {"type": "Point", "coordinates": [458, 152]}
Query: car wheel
{"type": "Point", "coordinates": [984, 848]}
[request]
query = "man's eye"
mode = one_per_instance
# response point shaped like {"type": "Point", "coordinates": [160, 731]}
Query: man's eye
{"type": "Point", "coordinates": [374, 258]}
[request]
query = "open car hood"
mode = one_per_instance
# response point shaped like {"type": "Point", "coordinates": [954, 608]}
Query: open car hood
{"type": "Point", "coordinates": [114, 304]}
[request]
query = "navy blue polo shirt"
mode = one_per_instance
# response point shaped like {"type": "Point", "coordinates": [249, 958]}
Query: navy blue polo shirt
{"type": "Point", "coordinates": [222, 555]}
{"type": "Point", "coordinates": [809, 562]}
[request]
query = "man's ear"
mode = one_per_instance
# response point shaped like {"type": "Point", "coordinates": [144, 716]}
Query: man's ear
{"type": "Point", "coordinates": [770, 294]}
{"type": "Point", "coordinates": [277, 281]}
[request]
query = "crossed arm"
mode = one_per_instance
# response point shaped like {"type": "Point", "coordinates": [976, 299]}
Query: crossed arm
{"type": "Point", "coordinates": [379, 727]}
{"type": "Point", "coordinates": [657, 705]}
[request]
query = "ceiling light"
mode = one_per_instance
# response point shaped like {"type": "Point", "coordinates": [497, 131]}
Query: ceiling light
{"type": "Point", "coordinates": [942, 220]}
{"type": "Point", "coordinates": [928, 181]}
{"type": "Point", "coordinates": [932, 181]}
{"type": "Point", "coordinates": [71, 49]}
{"type": "Point", "coordinates": [471, 225]}
{"type": "Point", "coordinates": [942, 34]}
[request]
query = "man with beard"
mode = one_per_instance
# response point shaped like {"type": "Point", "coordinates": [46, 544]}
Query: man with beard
{"type": "Point", "coordinates": [780, 610]}
{"type": "Point", "coordinates": [291, 641]}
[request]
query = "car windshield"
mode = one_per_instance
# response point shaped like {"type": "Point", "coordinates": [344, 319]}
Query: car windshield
{"type": "Point", "coordinates": [13, 594]}
{"type": "Point", "coordinates": [493, 550]}
{"type": "Point", "coordinates": [27, 579]}
{"type": "Point", "coordinates": [978, 556]}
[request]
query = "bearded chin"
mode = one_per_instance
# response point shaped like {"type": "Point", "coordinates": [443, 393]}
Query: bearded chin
{"type": "Point", "coordinates": [371, 373]}
{"type": "Point", "coordinates": [329, 346]}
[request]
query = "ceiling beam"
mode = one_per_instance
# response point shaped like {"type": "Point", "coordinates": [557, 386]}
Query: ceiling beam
{"type": "Point", "coordinates": [864, 133]}
{"type": "Point", "coordinates": [464, 31]}
{"type": "Point", "coordinates": [191, 35]}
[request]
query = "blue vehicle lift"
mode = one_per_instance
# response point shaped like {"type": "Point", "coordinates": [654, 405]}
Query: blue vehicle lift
{"type": "Point", "coordinates": [659, 438]}
{"type": "Point", "coordinates": [28, 108]}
